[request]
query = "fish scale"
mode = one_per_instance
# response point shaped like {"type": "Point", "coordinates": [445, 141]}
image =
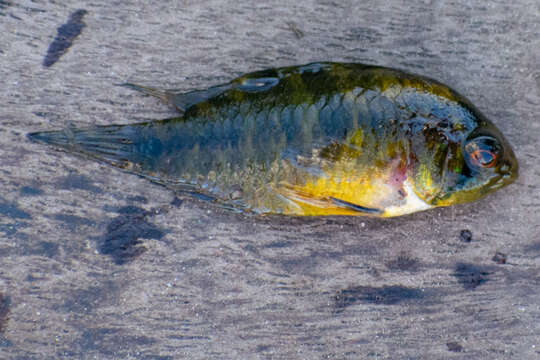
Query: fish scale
{"type": "Point", "coordinates": [318, 139]}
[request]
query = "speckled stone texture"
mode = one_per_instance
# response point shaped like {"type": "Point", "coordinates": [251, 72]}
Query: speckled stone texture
{"type": "Point", "coordinates": [99, 264]}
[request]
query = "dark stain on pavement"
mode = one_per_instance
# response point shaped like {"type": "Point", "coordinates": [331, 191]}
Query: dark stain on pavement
{"type": "Point", "coordinates": [5, 305]}
{"type": "Point", "coordinates": [11, 229]}
{"type": "Point", "coordinates": [75, 181]}
{"type": "Point", "coordinates": [111, 342]}
{"type": "Point", "coordinates": [454, 346]}
{"type": "Point", "coordinates": [533, 248]}
{"type": "Point", "coordinates": [3, 6]}
{"type": "Point", "coordinates": [65, 36]}
{"type": "Point", "coordinates": [384, 295]}
{"type": "Point", "coordinates": [138, 198]}
{"type": "Point", "coordinates": [73, 222]}
{"type": "Point", "coordinates": [471, 276]}
{"type": "Point", "coordinates": [122, 238]}
{"type": "Point", "coordinates": [12, 210]}
{"type": "Point", "coordinates": [30, 191]}
{"type": "Point", "coordinates": [279, 244]}
{"type": "Point", "coordinates": [86, 300]}
{"type": "Point", "coordinates": [44, 248]}
{"type": "Point", "coordinates": [403, 262]}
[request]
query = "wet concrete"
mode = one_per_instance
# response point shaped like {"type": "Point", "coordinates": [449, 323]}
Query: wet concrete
{"type": "Point", "coordinates": [97, 263]}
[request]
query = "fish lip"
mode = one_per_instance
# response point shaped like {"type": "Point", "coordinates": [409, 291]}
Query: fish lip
{"type": "Point", "coordinates": [505, 176]}
{"type": "Point", "coordinates": [509, 171]}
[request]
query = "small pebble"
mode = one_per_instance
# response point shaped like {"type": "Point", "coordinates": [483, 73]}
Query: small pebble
{"type": "Point", "coordinates": [454, 346]}
{"type": "Point", "coordinates": [465, 235]}
{"type": "Point", "coordinates": [499, 258]}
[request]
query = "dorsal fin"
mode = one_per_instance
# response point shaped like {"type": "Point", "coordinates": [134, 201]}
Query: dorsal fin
{"type": "Point", "coordinates": [182, 101]}
{"type": "Point", "coordinates": [250, 83]}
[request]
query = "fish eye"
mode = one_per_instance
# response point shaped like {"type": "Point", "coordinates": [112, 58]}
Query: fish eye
{"type": "Point", "coordinates": [483, 152]}
{"type": "Point", "coordinates": [484, 158]}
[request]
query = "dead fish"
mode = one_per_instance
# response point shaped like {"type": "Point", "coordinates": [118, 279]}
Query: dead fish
{"type": "Point", "coordinates": [317, 139]}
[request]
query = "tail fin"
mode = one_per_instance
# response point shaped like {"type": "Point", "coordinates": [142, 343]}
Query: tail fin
{"type": "Point", "coordinates": [114, 144]}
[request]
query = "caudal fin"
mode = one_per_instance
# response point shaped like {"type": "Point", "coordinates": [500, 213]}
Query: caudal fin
{"type": "Point", "coordinates": [114, 144]}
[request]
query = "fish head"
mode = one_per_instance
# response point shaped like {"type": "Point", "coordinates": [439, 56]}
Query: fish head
{"type": "Point", "coordinates": [474, 165]}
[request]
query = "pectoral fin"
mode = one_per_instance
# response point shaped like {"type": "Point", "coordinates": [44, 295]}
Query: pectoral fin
{"type": "Point", "coordinates": [355, 207]}
{"type": "Point", "coordinates": [309, 205]}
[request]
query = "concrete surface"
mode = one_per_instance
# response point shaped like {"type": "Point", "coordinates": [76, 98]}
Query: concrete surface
{"type": "Point", "coordinates": [99, 264]}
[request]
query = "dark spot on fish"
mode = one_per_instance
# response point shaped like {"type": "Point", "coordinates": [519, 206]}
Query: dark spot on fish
{"type": "Point", "coordinates": [403, 262]}
{"type": "Point", "coordinates": [11, 210]}
{"type": "Point", "coordinates": [384, 295]}
{"type": "Point", "coordinates": [122, 238]}
{"type": "Point", "coordinates": [471, 276]}
{"type": "Point", "coordinates": [236, 194]}
{"type": "Point", "coordinates": [465, 235]}
{"type": "Point", "coordinates": [73, 222]}
{"type": "Point", "coordinates": [499, 258]}
{"type": "Point", "coordinates": [65, 36]}
{"type": "Point", "coordinates": [30, 191]}
{"type": "Point", "coordinates": [74, 181]}
{"type": "Point", "coordinates": [454, 346]}
{"type": "Point", "coordinates": [5, 305]}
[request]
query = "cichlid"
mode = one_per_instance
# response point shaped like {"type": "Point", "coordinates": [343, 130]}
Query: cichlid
{"type": "Point", "coordinates": [317, 139]}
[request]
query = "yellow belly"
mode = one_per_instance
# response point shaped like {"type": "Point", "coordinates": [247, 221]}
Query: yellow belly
{"type": "Point", "coordinates": [373, 191]}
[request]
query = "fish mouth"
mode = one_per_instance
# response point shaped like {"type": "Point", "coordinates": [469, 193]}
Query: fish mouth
{"type": "Point", "coordinates": [506, 174]}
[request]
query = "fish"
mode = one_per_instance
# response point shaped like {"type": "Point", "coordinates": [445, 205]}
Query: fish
{"type": "Point", "coordinates": [318, 139]}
